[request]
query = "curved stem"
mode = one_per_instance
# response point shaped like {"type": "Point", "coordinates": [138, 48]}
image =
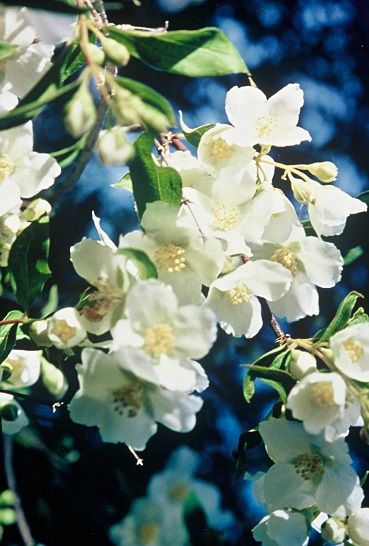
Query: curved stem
{"type": "Point", "coordinates": [24, 528]}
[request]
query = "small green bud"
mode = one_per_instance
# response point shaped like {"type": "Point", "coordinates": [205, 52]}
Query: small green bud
{"type": "Point", "coordinates": [7, 497]}
{"type": "Point", "coordinates": [80, 112]}
{"type": "Point", "coordinates": [114, 147]}
{"type": "Point", "coordinates": [97, 55]}
{"type": "Point", "coordinates": [116, 52]}
{"type": "Point", "coordinates": [7, 516]}
{"type": "Point", "coordinates": [10, 411]}
{"type": "Point", "coordinates": [326, 171]}
{"type": "Point", "coordinates": [36, 209]}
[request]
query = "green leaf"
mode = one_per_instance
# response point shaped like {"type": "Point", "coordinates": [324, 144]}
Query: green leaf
{"type": "Point", "coordinates": [48, 89]}
{"type": "Point", "coordinates": [154, 103]}
{"type": "Point", "coordinates": [342, 315]}
{"type": "Point", "coordinates": [125, 182]}
{"type": "Point", "coordinates": [7, 50]}
{"type": "Point", "coordinates": [353, 254]}
{"type": "Point", "coordinates": [278, 387]}
{"type": "Point", "coordinates": [248, 388]}
{"type": "Point", "coordinates": [145, 268]}
{"type": "Point", "coordinates": [364, 197]}
{"type": "Point", "coordinates": [193, 136]}
{"type": "Point", "coordinates": [8, 334]}
{"type": "Point", "coordinates": [358, 317]}
{"type": "Point", "coordinates": [151, 182]}
{"type": "Point", "coordinates": [28, 264]}
{"type": "Point", "coordinates": [274, 375]}
{"type": "Point", "coordinates": [267, 358]}
{"type": "Point", "coordinates": [205, 52]}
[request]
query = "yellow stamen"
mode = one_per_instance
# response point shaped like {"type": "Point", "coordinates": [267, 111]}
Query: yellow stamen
{"type": "Point", "coordinates": [170, 258]}
{"type": "Point", "coordinates": [159, 339]}
{"type": "Point", "coordinates": [226, 218]}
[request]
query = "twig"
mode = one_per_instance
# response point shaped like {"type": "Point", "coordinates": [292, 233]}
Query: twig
{"type": "Point", "coordinates": [139, 461]}
{"type": "Point", "coordinates": [22, 523]}
{"type": "Point", "coordinates": [83, 159]}
{"type": "Point", "coordinates": [13, 321]}
{"type": "Point", "coordinates": [52, 405]}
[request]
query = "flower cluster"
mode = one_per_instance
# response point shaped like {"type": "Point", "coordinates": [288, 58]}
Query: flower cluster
{"type": "Point", "coordinates": [159, 518]}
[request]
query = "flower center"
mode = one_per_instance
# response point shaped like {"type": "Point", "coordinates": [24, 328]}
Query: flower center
{"type": "Point", "coordinates": [64, 331]}
{"type": "Point", "coordinates": [354, 349]}
{"type": "Point", "coordinates": [322, 394]}
{"type": "Point", "coordinates": [6, 167]}
{"type": "Point", "coordinates": [148, 532]}
{"type": "Point", "coordinates": [220, 149]}
{"type": "Point", "coordinates": [100, 301]}
{"type": "Point", "coordinates": [238, 295]}
{"type": "Point", "coordinates": [309, 465]}
{"type": "Point", "coordinates": [266, 125]}
{"type": "Point", "coordinates": [170, 258]}
{"type": "Point", "coordinates": [159, 339]}
{"type": "Point", "coordinates": [226, 218]}
{"type": "Point", "coordinates": [128, 398]}
{"type": "Point", "coordinates": [286, 258]}
{"type": "Point", "coordinates": [178, 492]}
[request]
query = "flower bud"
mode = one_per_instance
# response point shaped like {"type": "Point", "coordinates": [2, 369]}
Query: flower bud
{"type": "Point", "coordinates": [334, 531]}
{"type": "Point", "coordinates": [302, 363]}
{"type": "Point", "coordinates": [65, 329]}
{"type": "Point", "coordinates": [127, 107]}
{"type": "Point", "coordinates": [38, 332]}
{"type": "Point", "coordinates": [326, 171]}
{"type": "Point", "coordinates": [302, 190]}
{"type": "Point", "coordinates": [97, 55]}
{"type": "Point", "coordinates": [116, 52]}
{"type": "Point", "coordinates": [113, 146]}
{"type": "Point", "coordinates": [80, 112]}
{"type": "Point", "coordinates": [358, 525]}
{"type": "Point", "coordinates": [53, 379]}
{"type": "Point", "coordinates": [36, 209]}
{"type": "Point", "coordinates": [9, 225]}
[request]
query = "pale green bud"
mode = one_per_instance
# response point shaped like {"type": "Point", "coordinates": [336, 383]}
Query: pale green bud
{"type": "Point", "coordinates": [129, 109]}
{"type": "Point", "coordinates": [8, 516]}
{"type": "Point", "coordinates": [38, 332]}
{"type": "Point", "coordinates": [326, 171]}
{"type": "Point", "coordinates": [7, 497]}
{"type": "Point", "coordinates": [53, 379]}
{"type": "Point", "coordinates": [302, 190]}
{"type": "Point", "coordinates": [80, 112]}
{"type": "Point", "coordinates": [97, 55]}
{"type": "Point", "coordinates": [334, 531]}
{"type": "Point", "coordinates": [302, 363]}
{"type": "Point", "coordinates": [36, 209]}
{"type": "Point", "coordinates": [114, 147]}
{"type": "Point", "coordinates": [116, 52]}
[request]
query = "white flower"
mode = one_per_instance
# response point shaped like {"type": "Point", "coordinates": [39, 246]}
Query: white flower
{"type": "Point", "coordinates": [282, 528]}
{"type": "Point", "coordinates": [25, 367]}
{"type": "Point", "coordinates": [350, 348]}
{"type": "Point", "coordinates": [163, 337]}
{"type": "Point", "coordinates": [271, 122]}
{"type": "Point", "coordinates": [307, 470]}
{"type": "Point", "coordinates": [358, 525]}
{"type": "Point", "coordinates": [172, 486]}
{"type": "Point", "coordinates": [322, 402]}
{"type": "Point", "coordinates": [124, 408]}
{"type": "Point", "coordinates": [149, 524]}
{"type": "Point", "coordinates": [352, 503]}
{"type": "Point", "coordinates": [329, 207]}
{"type": "Point", "coordinates": [13, 418]}
{"type": "Point", "coordinates": [233, 297]}
{"type": "Point", "coordinates": [312, 262]}
{"type": "Point", "coordinates": [65, 329]}
{"type": "Point", "coordinates": [106, 271]}
{"type": "Point", "coordinates": [301, 364]}
{"type": "Point", "coordinates": [216, 155]}
{"type": "Point", "coordinates": [182, 257]}
{"type": "Point", "coordinates": [192, 173]}
{"type": "Point", "coordinates": [26, 66]}
{"type": "Point", "coordinates": [23, 173]}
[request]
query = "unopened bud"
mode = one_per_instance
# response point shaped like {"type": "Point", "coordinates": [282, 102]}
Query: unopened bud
{"type": "Point", "coordinates": [116, 52]}
{"type": "Point", "coordinates": [53, 379]}
{"type": "Point", "coordinates": [129, 109]}
{"type": "Point", "coordinates": [302, 190]}
{"type": "Point", "coordinates": [10, 411]}
{"type": "Point", "coordinates": [334, 531]}
{"type": "Point", "coordinates": [302, 363]}
{"type": "Point", "coordinates": [358, 525]}
{"type": "Point", "coordinates": [36, 209]}
{"type": "Point", "coordinates": [97, 55]}
{"type": "Point", "coordinates": [114, 147]}
{"type": "Point", "coordinates": [326, 171]}
{"type": "Point", "coordinates": [80, 112]}
{"type": "Point", "coordinates": [9, 225]}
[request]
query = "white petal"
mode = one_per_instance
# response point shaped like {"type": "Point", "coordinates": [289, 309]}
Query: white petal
{"type": "Point", "coordinates": [322, 261]}
{"type": "Point", "coordinates": [243, 106]}
{"type": "Point", "coordinates": [37, 173]}
{"type": "Point", "coordinates": [194, 330]}
{"type": "Point", "coordinates": [150, 302]}
{"type": "Point", "coordinates": [286, 104]}
{"type": "Point", "coordinates": [283, 487]}
{"type": "Point", "coordinates": [301, 300]}
{"type": "Point", "coordinates": [175, 410]}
